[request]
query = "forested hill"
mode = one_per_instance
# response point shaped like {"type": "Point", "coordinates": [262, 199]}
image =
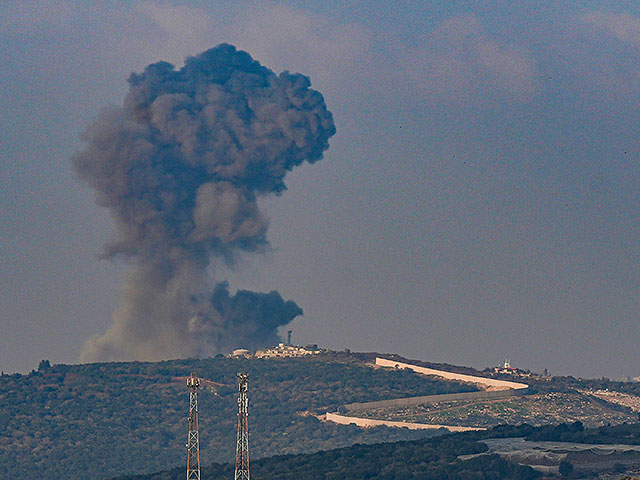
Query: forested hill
{"type": "Point", "coordinates": [101, 420]}
{"type": "Point", "coordinates": [438, 458]}
{"type": "Point", "coordinates": [433, 459]}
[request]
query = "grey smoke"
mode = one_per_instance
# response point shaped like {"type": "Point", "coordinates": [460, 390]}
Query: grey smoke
{"type": "Point", "coordinates": [180, 166]}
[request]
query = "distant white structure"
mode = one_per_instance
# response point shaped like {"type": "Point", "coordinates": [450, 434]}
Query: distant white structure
{"type": "Point", "coordinates": [505, 368]}
{"type": "Point", "coordinates": [486, 382]}
{"type": "Point", "coordinates": [284, 350]}
{"type": "Point", "coordinates": [242, 352]}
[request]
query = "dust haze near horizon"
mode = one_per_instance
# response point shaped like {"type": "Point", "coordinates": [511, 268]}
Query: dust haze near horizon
{"type": "Point", "coordinates": [479, 201]}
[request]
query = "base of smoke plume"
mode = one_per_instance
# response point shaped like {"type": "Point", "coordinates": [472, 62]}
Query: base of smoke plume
{"type": "Point", "coordinates": [222, 323]}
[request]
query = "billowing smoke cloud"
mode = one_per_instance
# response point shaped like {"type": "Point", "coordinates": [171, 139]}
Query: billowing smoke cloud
{"type": "Point", "coordinates": [180, 166]}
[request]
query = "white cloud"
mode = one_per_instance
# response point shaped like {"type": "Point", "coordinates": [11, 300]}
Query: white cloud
{"type": "Point", "coordinates": [624, 27]}
{"type": "Point", "coordinates": [177, 20]}
{"type": "Point", "coordinates": [180, 30]}
{"type": "Point", "coordinates": [459, 62]}
{"type": "Point", "coordinates": [600, 53]}
{"type": "Point", "coordinates": [334, 54]}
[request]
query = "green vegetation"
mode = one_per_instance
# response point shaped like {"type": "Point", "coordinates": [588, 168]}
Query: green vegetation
{"type": "Point", "coordinates": [433, 459]}
{"type": "Point", "coordinates": [539, 409]}
{"type": "Point", "coordinates": [100, 420]}
{"type": "Point", "coordinates": [626, 434]}
{"type": "Point", "coordinates": [569, 384]}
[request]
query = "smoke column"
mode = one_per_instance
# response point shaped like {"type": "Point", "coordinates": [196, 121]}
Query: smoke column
{"type": "Point", "coordinates": [180, 166]}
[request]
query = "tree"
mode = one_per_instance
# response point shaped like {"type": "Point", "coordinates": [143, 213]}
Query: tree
{"type": "Point", "coordinates": [565, 468]}
{"type": "Point", "coordinates": [44, 365]}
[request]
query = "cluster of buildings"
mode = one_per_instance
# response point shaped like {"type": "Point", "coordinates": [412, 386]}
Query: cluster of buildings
{"type": "Point", "coordinates": [506, 368]}
{"type": "Point", "coordinates": [280, 351]}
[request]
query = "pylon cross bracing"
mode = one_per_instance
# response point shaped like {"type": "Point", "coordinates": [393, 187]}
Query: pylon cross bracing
{"type": "Point", "coordinates": [193, 440]}
{"type": "Point", "coordinates": [242, 443]}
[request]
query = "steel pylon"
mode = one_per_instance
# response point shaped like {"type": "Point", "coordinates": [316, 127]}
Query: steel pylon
{"type": "Point", "coordinates": [242, 443]}
{"type": "Point", "coordinates": [193, 441]}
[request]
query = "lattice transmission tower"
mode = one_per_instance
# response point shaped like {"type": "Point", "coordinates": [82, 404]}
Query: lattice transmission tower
{"type": "Point", "coordinates": [193, 442]}
{"type": "Point", "coordinates": [242, 444]}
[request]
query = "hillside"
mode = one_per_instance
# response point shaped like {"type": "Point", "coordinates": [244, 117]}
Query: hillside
{"type": "Point", "coordinates": [506, 399]}
{"type": "Point", "coordinates": [434, 459]}
{"type": "Point", "coordinates": [98, 420]}
{"type": "Point", "coordinates": [503, 452]}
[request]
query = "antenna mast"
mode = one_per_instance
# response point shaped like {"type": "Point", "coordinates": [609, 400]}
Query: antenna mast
{"type": "Point", "coordinates": [242, 444]}
{"type": "Point", "coordinates": [193, 442]}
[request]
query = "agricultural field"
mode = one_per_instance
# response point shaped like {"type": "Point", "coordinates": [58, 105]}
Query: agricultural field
{"type": "Point", "coordinates": [537, 409]}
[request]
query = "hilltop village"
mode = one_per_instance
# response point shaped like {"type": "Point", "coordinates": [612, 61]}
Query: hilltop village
{"type": "Point", "coordinates": [282, 350]}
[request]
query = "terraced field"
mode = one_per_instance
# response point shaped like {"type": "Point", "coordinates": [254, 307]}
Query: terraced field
{"type": "Point", "coordinates": [539, 409]}
{"type": "Point", "coordinates": [548, 402]}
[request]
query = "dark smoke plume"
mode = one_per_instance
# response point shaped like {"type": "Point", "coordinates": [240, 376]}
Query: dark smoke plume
{"type": "Point", "coordinates": [180, 166]}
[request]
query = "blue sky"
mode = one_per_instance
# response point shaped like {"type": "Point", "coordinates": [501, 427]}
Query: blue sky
{"type": "Point", "coordinates": [479, 201]}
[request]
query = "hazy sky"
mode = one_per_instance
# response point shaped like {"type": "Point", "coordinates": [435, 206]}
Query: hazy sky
{"type": "Point", "coordinates": [480, 199]}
